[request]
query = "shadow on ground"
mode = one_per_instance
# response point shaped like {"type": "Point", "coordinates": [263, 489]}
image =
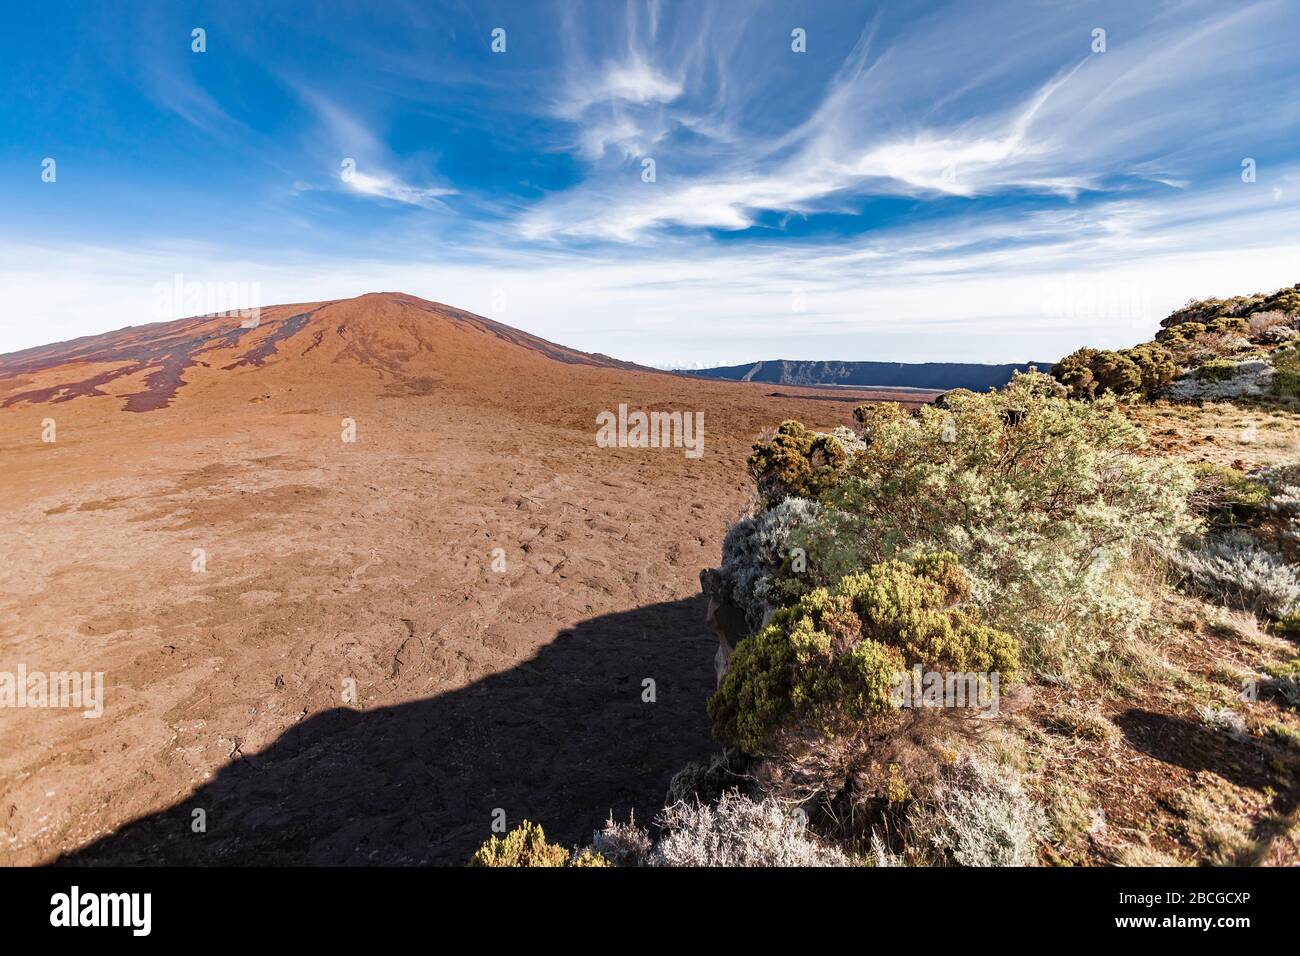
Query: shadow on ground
{"type": "Point", "coordinates": [562, 739]}
{"type": "Point", "coordinates": [1246, 762]}
{"type": "Point", "coordinates": [1195, 747]}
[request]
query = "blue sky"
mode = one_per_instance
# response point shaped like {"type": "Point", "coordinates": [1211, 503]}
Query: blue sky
{"type": "Point", "coordinates": [928, 181]}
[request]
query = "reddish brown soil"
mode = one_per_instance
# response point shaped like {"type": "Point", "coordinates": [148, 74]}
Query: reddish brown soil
{"type": "Point", "coordinates": [370, 561]}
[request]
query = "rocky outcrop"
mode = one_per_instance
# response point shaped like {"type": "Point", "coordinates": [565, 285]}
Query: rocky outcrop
{"type": "Point", "coordinates": [1285, 300]}
{"type": "Point", "coordinates": [1251, 378]}
{"type": "Point", "coordinates": [725, 617]}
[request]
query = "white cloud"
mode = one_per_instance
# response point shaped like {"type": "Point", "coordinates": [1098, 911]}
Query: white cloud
{"type": "Point", "coordinates": [633, 80]}
{"type": "Point", "coordinates": [342, 138]}
{"type": "Point", "coordinates": [619, 106]}
{"type": "Point", "coordinates": [1015, 289]}
{"type": "Point", "coordinates": [385, 186]}
{"type": "Point", "coordinates": [891, 123]}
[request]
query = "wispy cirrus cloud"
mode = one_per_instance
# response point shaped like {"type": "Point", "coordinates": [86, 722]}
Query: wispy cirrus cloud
{"type": "Point", "coordinates": [922, 174]}
{"type": "Point", "coordinates": [969, 288]}
{"type": "Point", "coordinates": [632, 81]}
{"type": "Point", "coordinates": [619, 104]}
{"type": "Point", "coordinates": [1091, 122]}
{"type": "Point", "coordinates": [364, 164]}
{"type": "Point", "coordinates": [385, 186]}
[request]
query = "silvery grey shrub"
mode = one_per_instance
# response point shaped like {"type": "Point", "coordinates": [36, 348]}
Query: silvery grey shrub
{"type": "Point", "coordinates": [738, 831]}
{"type": "Point", "coordinates": [1238, 569]}
{"type": "Point", "coordinates": [1223, 719]}
{"type": "Point", "coordinates": [978, 816]}
{"type": "Point", "coordinates": [755, 548]}
{"type": "Point", "coordinates": [623, 844]}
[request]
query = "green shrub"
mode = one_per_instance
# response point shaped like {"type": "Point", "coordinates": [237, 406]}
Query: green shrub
{"type": "Point", "coordinates": [1193, 343]}
{"type": "Point", "coordinates": [1180, 334]}
{"type": "Point", "coordinates": [874, 418]}
{"type": "Point", "coordinates": [523, 846]}
{"type": "Point", "coordinates": [1217, 370]}
{"type": "Point", "coordinates": [1226, 496]}
{"type": "Point", "coordinates": [1289, 670]}
{"type": "Point", "coordinates": [1156, 365]}
{"type": "Point", "coordinates": [1144, 369]}
{"type": "Point", "coordinates": [829, 663]}
{"type": "Point", "coordinates": [1286, 376]}
{"type": "Point", "coordinates": [1287, 358]}
{"type": "Point", "coordinates": [1214, 328]}
{"type": "Point", "coordinates": [1116, 372]}
{"type": "Point", "coordinates": [1285, 300]}
{"type": "Point", "coordinates": [1228, 325]}
{"type": "Point", "coordinates": [1289, 625]}
{"type": "Point", "coordinates": [796, 461]}
{"type": "Point", "coordinates": [940, 402]}
{"type": "Point", "coordinates": [589, 858]}
{"type": "Point", "coordinates": [1041, 498]}
{"type": "Point", "coordinates": [1075, 373]}
{"type": "Point", "coordinates": [1286, 383]}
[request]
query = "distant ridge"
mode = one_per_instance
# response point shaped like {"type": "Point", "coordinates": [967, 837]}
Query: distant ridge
{"type": "Point", "coordinates": [934, 375]}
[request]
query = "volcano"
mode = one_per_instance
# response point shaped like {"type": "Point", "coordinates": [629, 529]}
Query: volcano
{"type": "Point", "coordinates": [357, 578]}
{"type": "Point", "coordinates": [397, 336]}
